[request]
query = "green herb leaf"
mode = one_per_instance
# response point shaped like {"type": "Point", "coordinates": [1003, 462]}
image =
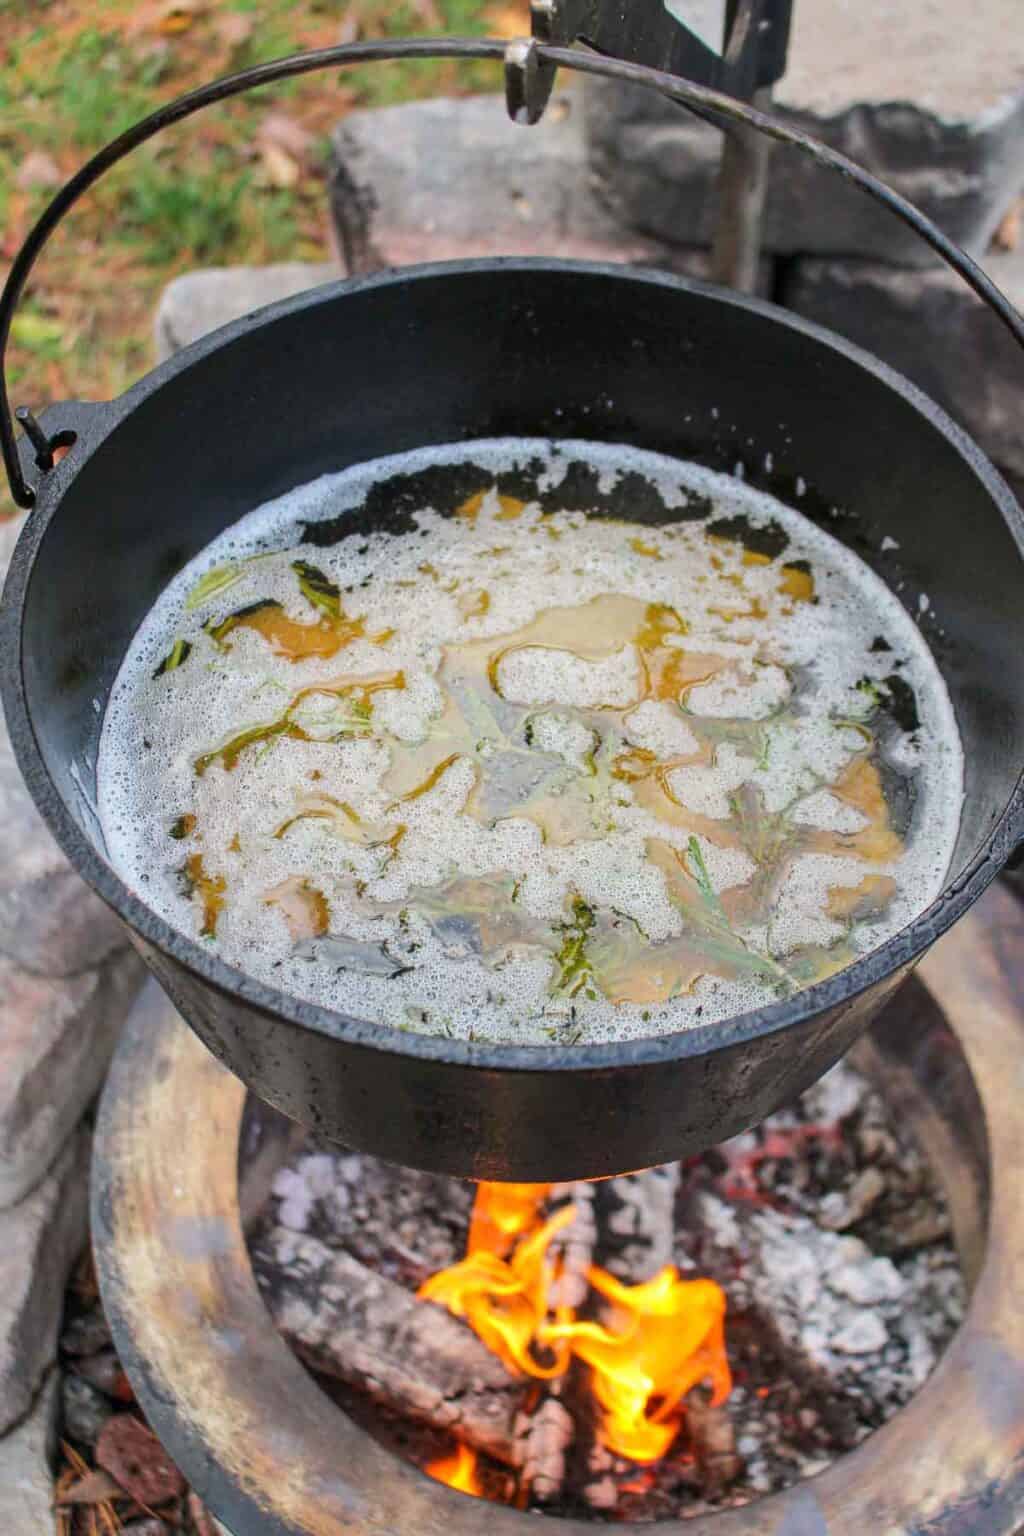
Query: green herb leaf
{"type": "Point", "coordinates": [703, 879]}
{"type": "Point", "coordinates": [219, 631]}
{"type": "Point", "coordinates": [229, 753]}
{"type": "Point", "coordinates": [574, 969]}
{"type": "Point", "coordinates": [176, 657]}
{"type": "Point", "coordinates": [318, 589]}
{"type": "Point", "coordinates": [216, 580]}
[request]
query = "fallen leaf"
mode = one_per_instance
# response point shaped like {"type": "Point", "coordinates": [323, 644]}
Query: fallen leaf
{"type": "Point", "coordinates": [282, 170]}
{"type": "Point", "coordinates": [233, 28]}
{"type": "Point", "coordinates": [94, 1488]}
{"type": "Point", "coordinates": [1007, 236]}
{"type": "Point", "coordinates": [349, 27]}
{"type": "Point", "coordinates": [508, 19]}
{"type": "Point", "coordinates": [178, 16]}
{"type": "Point", "coordinates": [280, 129]}
{"type": "Point", "coordinates": [168, 17]}
{"type": "Point", "coordinates": [132, 1454]}
{"type": "Point", "coordinates": [38, 169]}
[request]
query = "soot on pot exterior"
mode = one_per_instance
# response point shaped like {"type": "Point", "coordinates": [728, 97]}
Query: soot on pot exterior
{"type": "Point", "coordinates": [511, 348]}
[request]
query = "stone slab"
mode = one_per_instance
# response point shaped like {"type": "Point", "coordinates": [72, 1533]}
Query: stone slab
{"type": "Point", "coordinates": [50, 923]}
{"type": "Point", "coordinates": [928, 97]}
{"type": "Point", "coordinates": [446, 178]}
{"type": "Point", "coordinates": [56, 1040]}
{"type": "Point", "coordinates": [26, 1479]}
{"type": "Point", "coordinates": [199, 302]}
{"type": "Point", "coordinates": [39, 1241]}
{"type": "Point", "coordinates": [453, 178]}
{"type": "Point", "coordinates": [67, 979]}
{"type": "Point", "coordinates": [931, 327]}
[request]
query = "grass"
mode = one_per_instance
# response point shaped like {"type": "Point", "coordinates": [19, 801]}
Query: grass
{"type": "Point", "coordinates": [211, 191]}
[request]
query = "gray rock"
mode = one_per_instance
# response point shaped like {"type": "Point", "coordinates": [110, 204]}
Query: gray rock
{"type": "Point", "coordinates": [87, 1334]}
{"type": "Point", "coordinates": [199, 302]}
{"type": "Point", "coordinates": [931, 327]}
{"type": "Point", "coordinates": [50, 923]}
{"type": "Point", "coordinates": [445, 178]}
{"type": "Point", "coordinates": [55, 1046]}
{"type": "Point", "coordinates": [452, 177]}
{"type": "Point", "coordinates": [39, 1241]}
{"type": "Point", "coordinates": [931, 105]}
{"type": "Point", "coordinates": [85, 1409]}
{"type": "Point", "coordinates": [67, 978]}
{"type": "Point", "coordinates": [26, 1480]}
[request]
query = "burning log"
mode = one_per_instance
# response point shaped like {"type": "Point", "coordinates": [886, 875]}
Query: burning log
{"type": "Point", "coordinates": [346, 1321]}
{"type": "Point", "coordinates": [547, 1434]}
{"type": "Point", "coordinates": [638, 1228]}
{"type": "Point", "coordinates": [545, 1438]}
{"type": "Point", "coordinates": [573, 1247]}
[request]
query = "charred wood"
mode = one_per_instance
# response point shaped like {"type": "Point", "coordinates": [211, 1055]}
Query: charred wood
{"type": "Point", "coordinates": [544, 1438]}
{"type": "Point", "coordinates": [411, 1356]}
{"type": "Point", "coordinates": [713, 1442]}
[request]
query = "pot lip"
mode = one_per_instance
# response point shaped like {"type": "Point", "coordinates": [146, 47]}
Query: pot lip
{"type": "Point", "coordinates": [839, 991]}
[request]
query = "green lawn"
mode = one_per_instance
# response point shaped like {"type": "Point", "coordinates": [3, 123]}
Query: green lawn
{"type": "Point", "coordinates": [242, 182]}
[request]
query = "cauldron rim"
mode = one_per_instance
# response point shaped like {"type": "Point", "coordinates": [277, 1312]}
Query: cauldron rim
{"type": "Point", "coordinates": [95, 422]}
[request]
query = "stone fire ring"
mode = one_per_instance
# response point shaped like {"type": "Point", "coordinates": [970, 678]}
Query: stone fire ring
{"type": "Point", "coordinates": [267, 1451]}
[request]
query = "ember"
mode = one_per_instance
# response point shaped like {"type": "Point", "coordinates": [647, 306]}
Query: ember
{"type": "Point", "coordinates": [656, 1341]}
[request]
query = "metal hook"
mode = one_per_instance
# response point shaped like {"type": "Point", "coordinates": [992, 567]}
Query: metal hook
{"type": "Point", "coordinates": [528, 82]}
{"type": "Point", "coordinates": [36, 436]}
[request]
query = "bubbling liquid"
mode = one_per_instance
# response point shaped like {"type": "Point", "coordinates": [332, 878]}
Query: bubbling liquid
{"type": "Point", "coordinates": [590, 744]}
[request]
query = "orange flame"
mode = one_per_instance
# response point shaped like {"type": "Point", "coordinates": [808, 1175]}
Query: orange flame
{"type": "Point", "coordinates": [658, 1339]}
{"type": "Point", "coordinates": [665, 1336]}
{"type": "Point", "coordinates": [458, 1470]}
{"type": "Point", "coordinates": [505, 1302]}
{"type": "Point", "coordinates": [501, 1213]}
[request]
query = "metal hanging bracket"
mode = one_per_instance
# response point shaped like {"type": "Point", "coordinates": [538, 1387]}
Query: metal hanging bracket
{"type": "Point", "coordinates": [694, 96]}
{"type": "Point", "coordinates": [647, 32]}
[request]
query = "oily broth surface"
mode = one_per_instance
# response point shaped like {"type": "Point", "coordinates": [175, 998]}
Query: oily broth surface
{"type": "Point", "coordinates": [533, 775]}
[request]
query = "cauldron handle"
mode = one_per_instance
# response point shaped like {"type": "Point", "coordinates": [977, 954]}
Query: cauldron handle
{"type": "Point", "coordinates": [519, 57]}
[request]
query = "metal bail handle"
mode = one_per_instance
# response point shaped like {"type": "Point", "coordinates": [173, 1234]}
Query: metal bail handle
{"type": "Point", "coordinates": [519, 57]}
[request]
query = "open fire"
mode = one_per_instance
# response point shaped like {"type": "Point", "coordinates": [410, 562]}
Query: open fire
{"type": "Point", "coordinates": [552, 1347]}
{"type": "Point", "coordinates": [645, 1346]}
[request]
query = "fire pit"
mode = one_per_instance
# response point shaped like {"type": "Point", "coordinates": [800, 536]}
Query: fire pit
{"type": "Point", "coordinates": [663, 1343]}
{"type": "Point", "coordinates": [509, 349]}
{"type": "Point", "coordinates": [269, 1453]}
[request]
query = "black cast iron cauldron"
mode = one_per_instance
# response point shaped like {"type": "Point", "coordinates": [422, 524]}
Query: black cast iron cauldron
{"type": "Point", "coordinates": [450, 353]}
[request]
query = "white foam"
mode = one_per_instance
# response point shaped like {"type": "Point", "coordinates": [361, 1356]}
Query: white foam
{"type": "Point", "coordinates": [539, 675]}
{"type": "Point", "coordinates": [659, 728]}
{"type": "Point", "coordinates": [706, 790]}
{"type": "Point", "coordinates": [155, 729]}
{"type": "Point", "coordinates": [741, 693]}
